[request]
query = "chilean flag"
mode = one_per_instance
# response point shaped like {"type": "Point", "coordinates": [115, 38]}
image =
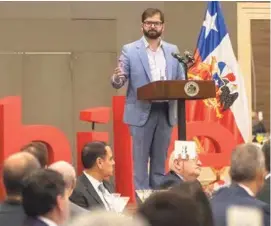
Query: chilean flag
{"type": "Point", "coordinates": [215, 60]}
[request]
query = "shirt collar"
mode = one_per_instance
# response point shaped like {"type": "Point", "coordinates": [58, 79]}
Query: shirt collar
{"type": "Point", "coordinates": [267, 176]}
{"type": "Point", "coordinates": [95, 183]}
{"type": "Point", "coordinates": [247, 189]}
{"type": "Point", "coordinates": [146, 44]}
{"type": "Point", "coordinates": [47, 221]}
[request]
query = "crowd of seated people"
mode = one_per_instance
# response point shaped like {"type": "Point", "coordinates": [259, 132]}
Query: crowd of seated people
{"type": "Point", "coordinates": [43, 194]}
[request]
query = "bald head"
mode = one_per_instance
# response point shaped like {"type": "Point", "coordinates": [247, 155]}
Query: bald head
{"type": "Point", "coordinates": [67, 171]}
{"type": "Point", "coordinates": [16, 168]}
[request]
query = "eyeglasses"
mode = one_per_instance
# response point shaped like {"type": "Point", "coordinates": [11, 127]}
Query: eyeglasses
{"type": "Point", "coordinates": [155, 23]}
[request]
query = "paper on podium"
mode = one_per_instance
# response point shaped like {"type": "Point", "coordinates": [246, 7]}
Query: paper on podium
{"type": "Point", "coordinates": [185, 149]}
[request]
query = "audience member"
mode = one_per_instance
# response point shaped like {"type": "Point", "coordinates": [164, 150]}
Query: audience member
{"type": "Point", "coordinates": [169, 208]}
{"type": "Point", "coordinates": [69, 175]}
{"type": "Point", "coordinates": [264, 194]}
{"type": "Point", "coordinates": [247, 175]}
{"type": "Point", "coordinates": [195, 191]}
{"type": "Point", "coordinates": [93, 189]}
{"type": "Point", "coordinates": [103, 218]}
{"type": "Point", "coordinates": [16, 168]}
{"type": "Point", "coordinates": [181, 169]}
{"type": "Point", "coordinates": [39, 150]}
{"type": "Point", "coordinates": [45, 199]}
{"type": "Point", "coordinates": [257, 124]}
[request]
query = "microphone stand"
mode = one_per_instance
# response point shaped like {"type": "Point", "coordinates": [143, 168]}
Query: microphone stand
{"type": "Point", "coordinates": [181, 110]}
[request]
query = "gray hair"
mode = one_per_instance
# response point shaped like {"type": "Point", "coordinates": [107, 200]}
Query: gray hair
{"type": "Point", "coordinates": [106, 218]}
{"type": "Point", "coordinates": [66, 170]}
{"type": "Point", "coordinates": [246, 161]}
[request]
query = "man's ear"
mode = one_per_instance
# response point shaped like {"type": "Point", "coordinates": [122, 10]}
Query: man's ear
{"type": "Point", "coordinates": [177, 164]}
{"type": "Point", "coordinates": [163, 27]}
{"type": "Point", "coordinates": [60, 202]}
{"type": "Point", "coordinates": [99, 162]}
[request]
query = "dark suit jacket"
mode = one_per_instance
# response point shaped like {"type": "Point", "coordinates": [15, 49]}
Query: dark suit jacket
{"type": "Point", "coordinates": [264, 194]}
{"type": "Point", "coordinates": [235, 195]}
{"type": "Point", "coordinates": [84, 194]}
{"type": "Point", "coordinates": [32, 221]}
{"type": "Point", "coordinates": [170, 179]}
{"type": "Point", "coordinates": [11, 213]}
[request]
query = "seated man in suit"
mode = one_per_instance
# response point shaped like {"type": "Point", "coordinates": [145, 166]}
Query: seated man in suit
{"type": "Point", "coordinates": [92, 188]}
{"type": "Point", "coordinates": [264, 194]}
{"type": "Point", "coordinates": [181, 169]}
{"type": "Point", "coordinates": [247, 175]}
{"type": "Point", "coordinates": [69, 175]}
{"type": "Point", "coordinates": [45, 199]}
{"type": "Point", "coordinates": [16, 168]}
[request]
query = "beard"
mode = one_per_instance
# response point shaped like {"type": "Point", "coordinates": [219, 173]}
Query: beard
{"type": "Point", "coordinates": [152, 34]}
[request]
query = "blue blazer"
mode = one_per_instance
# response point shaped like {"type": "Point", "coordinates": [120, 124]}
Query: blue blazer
{"type": "Point", "coordinates": [136, 68]}
{"type": "Point", "coordinates": [235, 195]}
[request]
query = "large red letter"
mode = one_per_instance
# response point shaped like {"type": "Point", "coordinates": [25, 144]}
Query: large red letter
{"type": "Point", "coordinates": [13, 134]}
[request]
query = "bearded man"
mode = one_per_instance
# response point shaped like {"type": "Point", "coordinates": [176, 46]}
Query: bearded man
{"type": "Point", "coordinates": [147, 60]}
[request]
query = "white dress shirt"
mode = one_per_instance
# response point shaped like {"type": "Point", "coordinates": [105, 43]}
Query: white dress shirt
{"type": "Point", "coordinates": [47, 221]}
{"type": "Point", "coordinates": [247, 189]}
{"type": "Point", "coordinates": [267, 176]}
{"type": "Point", "coordinates": [157, 61]}
{"type": "Point", "coordinates": [95, 183]}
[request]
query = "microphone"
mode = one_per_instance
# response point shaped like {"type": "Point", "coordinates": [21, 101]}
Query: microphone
{"type": "Point", "coordinates": [178, 57]}
{"type": "Point", "coordinates": [189, 56]}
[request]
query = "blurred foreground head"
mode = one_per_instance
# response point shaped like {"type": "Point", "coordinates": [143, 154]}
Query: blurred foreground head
{"type": "Point", "coordinates": [169, 208]}
{"type": "Point", "coordinates": [106, 218]}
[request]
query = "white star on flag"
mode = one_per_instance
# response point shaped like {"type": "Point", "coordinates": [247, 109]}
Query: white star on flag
{"type": "Point", "coordinates": [209, 23]}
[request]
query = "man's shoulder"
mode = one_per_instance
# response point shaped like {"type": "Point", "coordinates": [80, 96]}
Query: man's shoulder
{"type": "Point", "coordinates": [34, 221]}
{"type": "Point", "coordinates": [10, 208]}
{"type": "Point", "coordinates": [132, 45]}
{"type": "Point", "coordinates": [170, 180]}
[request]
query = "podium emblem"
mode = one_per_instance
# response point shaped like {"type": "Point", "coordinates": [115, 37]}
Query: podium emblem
{"type": "Point", "coordinates": [191, 89]}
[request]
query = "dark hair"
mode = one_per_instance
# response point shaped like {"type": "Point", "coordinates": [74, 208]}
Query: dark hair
{"type": "Point", "coordinates": [169, 208]}
{"type": "Point", "coordinates": [41, 190]}
{"type": "Point", "coordinates": [195, 190]}
{"type": "Point", "coordinates": [13, 177]}
{"type": "Point", "coordinates": [92, 151]}
{"type": "Point", "coordinates": [150, 12]}
{"type": "Point", "coordinates": [266, 152]}
{"type": "Point", "coordinates": [39, 150]}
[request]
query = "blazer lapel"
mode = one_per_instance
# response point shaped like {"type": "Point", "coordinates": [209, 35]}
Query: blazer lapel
{"type": "Point", "coordinates": [90, 189]}
{"type": "Point", "coordinates": [144, 57]}
{"type": "Point", "coordinates": [168, 58]}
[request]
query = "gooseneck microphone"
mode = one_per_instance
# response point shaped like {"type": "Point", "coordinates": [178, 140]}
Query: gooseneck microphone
{"type": "Point", "coordinates": [178, 57]}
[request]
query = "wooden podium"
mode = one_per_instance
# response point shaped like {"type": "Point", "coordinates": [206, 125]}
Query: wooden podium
{"type": "Point", "coordinates": [180, 90]}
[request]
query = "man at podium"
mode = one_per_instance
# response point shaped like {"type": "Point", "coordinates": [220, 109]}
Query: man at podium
{"type": "Point", "coordinates": [147, 60]}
